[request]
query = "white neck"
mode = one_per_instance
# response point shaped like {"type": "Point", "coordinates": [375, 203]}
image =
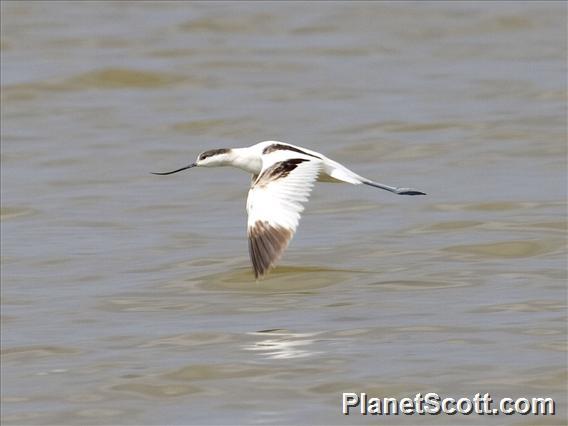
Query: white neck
{"type": "Point", "coordinates": [246, 159]}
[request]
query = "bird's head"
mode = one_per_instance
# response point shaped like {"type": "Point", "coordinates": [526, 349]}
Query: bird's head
{"type": "Point", "coordinates": [211, 158]}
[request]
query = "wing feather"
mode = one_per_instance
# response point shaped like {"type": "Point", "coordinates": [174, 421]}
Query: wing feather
{"type": "Point", "coordinates": [274, 204]}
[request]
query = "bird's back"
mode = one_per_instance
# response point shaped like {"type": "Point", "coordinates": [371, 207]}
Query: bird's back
{"type": "Point", "coordinates": [331, 171]}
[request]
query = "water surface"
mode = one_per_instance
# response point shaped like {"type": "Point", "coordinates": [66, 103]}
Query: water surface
{"type": "Point", "coordinates": [128, 298]}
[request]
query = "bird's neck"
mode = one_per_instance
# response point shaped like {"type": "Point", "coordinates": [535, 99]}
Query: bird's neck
{"type": "Point", "coordinates": [246, 159]}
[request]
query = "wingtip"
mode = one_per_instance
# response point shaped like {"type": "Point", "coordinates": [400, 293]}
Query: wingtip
{"type": "Point", "coordinates": [266, 245]}
{"type": "Point", "coordinates": [259, 270]}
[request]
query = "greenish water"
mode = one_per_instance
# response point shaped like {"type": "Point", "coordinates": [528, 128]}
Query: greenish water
{"type": "Point", "coordinates": [128, 298]}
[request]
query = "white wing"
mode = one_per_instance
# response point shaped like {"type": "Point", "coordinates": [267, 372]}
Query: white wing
{"type": "Point", "coordinates": [274, 205]}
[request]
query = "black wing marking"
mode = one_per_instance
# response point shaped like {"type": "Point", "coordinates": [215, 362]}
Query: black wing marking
{"type": "Point", "coordinates": [282, 147]}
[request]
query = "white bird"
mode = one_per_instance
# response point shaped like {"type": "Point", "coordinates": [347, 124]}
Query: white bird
{"type": "Point", "coordinates": [283, 176]}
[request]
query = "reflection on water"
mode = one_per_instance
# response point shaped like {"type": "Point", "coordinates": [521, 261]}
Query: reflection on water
{"type": "Point", "coordinates": [128, 299]}
{"type": "Point", "coordinates": [282, 344]}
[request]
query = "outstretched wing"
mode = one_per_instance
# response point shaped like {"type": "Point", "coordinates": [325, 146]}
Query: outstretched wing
{"type": "Point", "coordinates": [274, 205]}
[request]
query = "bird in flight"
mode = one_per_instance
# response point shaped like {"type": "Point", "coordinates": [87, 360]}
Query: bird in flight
{"type": "Point", "coordinates": [283, 176]}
